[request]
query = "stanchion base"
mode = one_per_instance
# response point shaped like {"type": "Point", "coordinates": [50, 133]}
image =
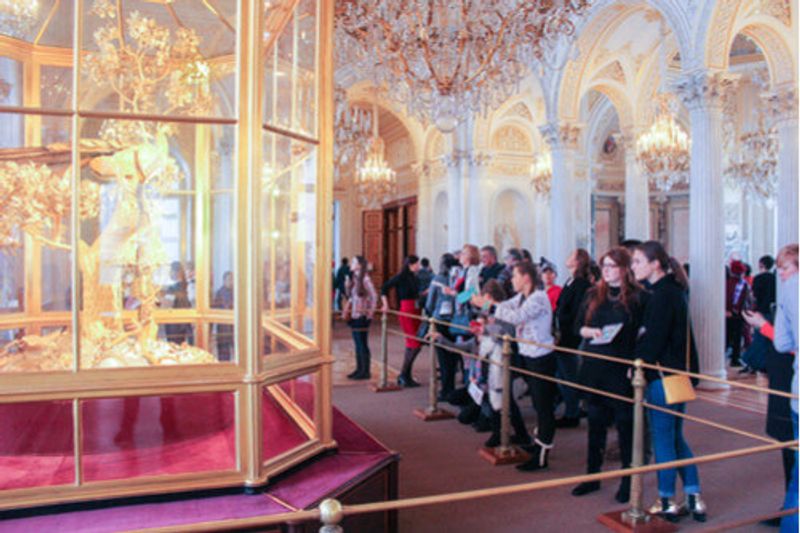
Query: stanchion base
{"type": "Point", "coordinates": [375, 387]}
{"type": "Point", "coordinates": [429, 416]}
{"type": "Point", "coordinates": [511, 456]}
{"type": "Point", "coordinates": [615, 521]}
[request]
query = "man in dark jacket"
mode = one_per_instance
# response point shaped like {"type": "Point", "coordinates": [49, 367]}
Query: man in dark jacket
{"type": "Point", "coordinates": [490, 268]}
{"type": "Point", "coordinates": [764, 285]}
{"type": "Point", "coordinates": [339, 282]}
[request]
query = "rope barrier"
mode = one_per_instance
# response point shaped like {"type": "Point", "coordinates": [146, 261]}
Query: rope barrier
{"type": "Point", "coordinates": [584, 388]}
{"type": "Point", "coordinates": [439, 499]}
{"type": "Point", "coordinates": [614, 359]}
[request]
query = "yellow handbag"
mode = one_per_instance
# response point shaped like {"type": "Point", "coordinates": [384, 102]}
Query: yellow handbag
{"type": "Point", "coordinates": [678, 387]}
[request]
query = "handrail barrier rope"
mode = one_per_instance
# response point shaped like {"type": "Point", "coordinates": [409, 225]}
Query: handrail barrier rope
{"type": "Point", "coordinates": [613, 359]}
{"type": "Point", "coordinates": [578, 386]}
{"type": "Point", "coordinates": [331, 511]}
{"type": "Point", "coordinates": [439, 499]}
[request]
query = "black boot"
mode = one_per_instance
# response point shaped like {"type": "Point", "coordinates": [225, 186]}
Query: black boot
{"type": "Point", "coordinates": [587, 487]}
{"type": "Point", "coordinates": [365, 365]}
{"type": "Point", "coordinates": [539, 455]}
{"type": "Point", "coordinates": [406, 379]}
{"type": "Point", "coordinates": [359, 367]}
{"type": "Point", "coordinates": [623, 494]}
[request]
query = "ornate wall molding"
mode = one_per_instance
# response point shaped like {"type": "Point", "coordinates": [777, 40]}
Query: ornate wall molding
{"type": "Point", "coordinates": [510, 138]}
{"type": "Point", "coordinates": [560, 136]}
{"type": "Point", "coordinates": [781, 104]}
{"type": "Point", "coordinates": [703, 88]}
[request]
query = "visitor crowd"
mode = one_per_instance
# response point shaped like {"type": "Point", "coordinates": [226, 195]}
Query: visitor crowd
{"type": "Point", "coordinates": [630, 303]}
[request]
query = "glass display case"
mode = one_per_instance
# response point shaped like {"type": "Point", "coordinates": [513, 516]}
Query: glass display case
{"type": "Point", "coordinates": [164, 181]}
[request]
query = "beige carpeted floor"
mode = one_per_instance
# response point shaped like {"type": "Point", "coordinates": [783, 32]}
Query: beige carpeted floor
{"type": "Point", "coordinates": [442, 456]}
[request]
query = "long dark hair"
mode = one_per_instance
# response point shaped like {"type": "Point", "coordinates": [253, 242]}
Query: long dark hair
{"type": "Point", "coordinates": [583, 270]}
{"type": "Point", "coordinates": [679, 273]}
{"type": "Point", "coordinates": [407, 262]}
{"type": "Point", "coordinates": [629, 289]}
{"type": "Point", "coordinates": [447, 262]}
{"type": "Point", "coordinates": [358, 277]}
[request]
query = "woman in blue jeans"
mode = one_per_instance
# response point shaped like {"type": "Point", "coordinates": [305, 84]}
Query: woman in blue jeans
{"type": "Point", "coordinates": [358, 311]}
{"type": "Point", "coordinates": [664, 342]}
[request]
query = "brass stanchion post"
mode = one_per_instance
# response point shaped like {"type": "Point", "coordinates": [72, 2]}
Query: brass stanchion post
{"type": "Point", "coordinates": [383, 382]}
{"type": "Point", "coordinates": [330, 514]}
{"type": "Point", "coordinates": [432, 412]}
{"type": "Point", "coordinates": [505, 453]}
{"type": "Point", "coordinates": [635, 518]}
{"type": "Point", "coordinates": [636, 513]}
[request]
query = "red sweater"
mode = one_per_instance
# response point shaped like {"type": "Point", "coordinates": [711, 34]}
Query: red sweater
{"type": "Point", "coordinates": [552, 294]}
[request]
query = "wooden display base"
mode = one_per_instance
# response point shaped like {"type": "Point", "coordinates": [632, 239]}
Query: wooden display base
{"type": "Point", "coordinates": [430, 416]}
{"type": "Point", "coordinates": [616, 522]}
{"type": "Point", "coordinates": [375, 387]}
{"type": "Point", "coordinates": [511, 456]}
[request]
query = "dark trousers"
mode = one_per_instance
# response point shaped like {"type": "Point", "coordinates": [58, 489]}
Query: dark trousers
{"type": "Point", "coordinates": [602, 412]}
{"type": "Point", "coordinates": [733, 337]}
{"type": "Point", "coordinates": [448, 364]}
{"type": "Point", "coordinates": [360, 330]}
{"type": "Point", "coordinates": [567, 365]}
{"type": "Point", "coordinates": [517, 422]}
{"type": "Point", "coordinates": [543, 394]}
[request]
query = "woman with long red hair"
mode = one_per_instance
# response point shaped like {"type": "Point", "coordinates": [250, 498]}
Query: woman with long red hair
{"type": "Point", "coordinates": [609, 322]}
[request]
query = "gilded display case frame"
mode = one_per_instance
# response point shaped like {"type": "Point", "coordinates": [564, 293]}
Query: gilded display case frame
{"type": "Point", "coordinates": [246, 378]}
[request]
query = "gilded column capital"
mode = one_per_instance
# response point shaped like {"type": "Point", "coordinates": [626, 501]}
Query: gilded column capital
{"type": "Point", "coordinates": [560, 135]}
{"type": "Point", "coordinates": [480, 159]}
{"type": "Point", "coordinates": [704, 88]}
{"type": "Point", "coordinates": [781, 103]}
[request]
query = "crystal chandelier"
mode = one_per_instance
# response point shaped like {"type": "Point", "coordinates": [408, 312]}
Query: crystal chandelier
{"type": "Point", "coordinates": [542, 174]}
{"type": "Point", "coordinates": [375, 182]}
{"type": "Point", "coordinates": [754, 162]}
{"type": "Point", "coordinates": [663, 151]}
{"type": "Point", "coordinates": [18, 16]}
{"type": "Point", "coordinates": [441, 58]}
{"type": "Point", "coordinates": [352, 132]}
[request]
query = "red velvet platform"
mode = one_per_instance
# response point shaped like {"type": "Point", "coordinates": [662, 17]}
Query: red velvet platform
{"type": "Point", "coordinates": [141, 436]}
{"type": "Point", "coordinates": [358, 459]}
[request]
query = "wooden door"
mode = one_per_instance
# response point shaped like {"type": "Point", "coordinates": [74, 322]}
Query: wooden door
{"type": "Point", "coordinates": [373, 244]}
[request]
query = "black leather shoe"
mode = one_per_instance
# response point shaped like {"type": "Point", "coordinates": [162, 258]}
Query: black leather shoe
{"type": "Point", "coordinates": [482, 425]}
{"type": "Point", "coordinates": [361, 377]}
{"type": "Point", "coordinates": [587, 487]}
{"type": "Point", "coordinates": [771, 522]}
{"type": "Point", "coordinates": [623, 494]}
{"type": "Point", "coordinates": [568, 422]}
{"type": "Point", "coordinates": [407, 382]}
{"type": "Point", "coordinates": [353, 374]}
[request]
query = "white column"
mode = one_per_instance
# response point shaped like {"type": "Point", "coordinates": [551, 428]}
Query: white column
{"type": "Point", "coordinates": [455, 202]}
{"type": "Point", "coordinates": [477, 200]}
{"type": "Point", "coordinates": [582, 194]}
{"type": "Point", "coordinates": [701, 92]}
{"type": "Point", "coordinates": [637, 193]}
{"type": "Point", "coordinates": [563, 140]}
{"type": "Point", "coordinates": [424, 237]}
{"type": "Point", "coordinates": [782, 105]}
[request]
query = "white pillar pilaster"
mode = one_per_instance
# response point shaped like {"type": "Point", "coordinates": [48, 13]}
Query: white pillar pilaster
{"type": "Point", "coordinates": [637, 193]}
{"type": "Point", "coordinates": [477, 204]}
{"type": "Point", "coordinates": [782, 106]}
{"type": "Point", "coordinates": [563, 140]}
{"type": "Point", "coordinates": [424, 237]}
{"type": "Point", "coordinates": [455, 202]}
{"type": "Point", "coordinates": [702, 93]}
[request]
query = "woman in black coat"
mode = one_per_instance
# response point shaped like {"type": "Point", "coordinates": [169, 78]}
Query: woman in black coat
{"type": "Point", "coordinates": [616, 302]}
{"type": "Point", "coordinates": [666, 341]}
{"type": "Point", "coordinates": [566, 314]}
